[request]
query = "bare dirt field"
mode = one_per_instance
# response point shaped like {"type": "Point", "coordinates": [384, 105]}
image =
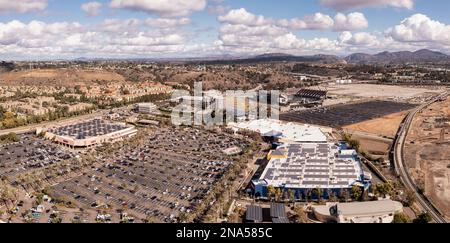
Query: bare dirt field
{"type": "Point", "coordinates": [59, 77]}
{"type": "Point", "coordinates": [379, 91]}
{"type": "Point", "coordinates": [373, 146]}
{"type": "Point", "coordinates": [428, 156]}
{"type": "Point", "coordinates": [386, 126]}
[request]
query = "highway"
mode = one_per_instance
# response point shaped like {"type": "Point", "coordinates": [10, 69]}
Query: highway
{"type": "Point", "coordinates": [402, 170]}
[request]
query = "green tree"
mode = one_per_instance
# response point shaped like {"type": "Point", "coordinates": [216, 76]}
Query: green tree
{"type": "Point", "coordinates": [410, 198]}
{"type": "Point", "coordinates": [356, 192]}
{"type": "Point", "coordinates": [278, 194]}
{"type": "Point", "coordinates": [270, 192]}
{"type": "Point", "coordinates": [318, 192]}
{"type": "Point", "coordinates": [333, 197]}
{"type": "Point", "coordinates": [9, 138]}
{"type": "Point", "coordinates": [300, 214]}
{"type": "Point", "coordinates": [292, 196]}
{"type": "Point", "coordinates": [2, 112]}
{"type": "Point", "coordinates": [401, 218]}
{"type": "Point", "coordinates": [423, 218]}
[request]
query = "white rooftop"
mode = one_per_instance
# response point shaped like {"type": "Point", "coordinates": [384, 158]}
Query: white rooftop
{"type": "Point", "coordinates": [312, 165]}
{"type": "Point", "coordinates": [381, 211]}
{"type": "Point", "coordinates": [291, 132]}
{"type": "Point", "coordinates": [369, 208]}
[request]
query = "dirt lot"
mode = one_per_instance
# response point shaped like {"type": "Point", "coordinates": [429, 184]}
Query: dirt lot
{"type": "Point", "coordinates": [428, 156]}
{"type": "Point", "coordinates": [374, 146]}
{"type": "Point", "coordinates": [59, 77]}
{"type": "Point", "coordinates": [386, 126]}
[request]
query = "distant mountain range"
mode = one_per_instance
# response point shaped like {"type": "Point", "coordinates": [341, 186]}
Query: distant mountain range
{"type": "Point", "coordinates": [423, 55]}
{"type": "Point", "coordinates": [420, 56]}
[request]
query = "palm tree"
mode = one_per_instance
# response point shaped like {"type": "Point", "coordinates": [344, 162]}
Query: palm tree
{"type": "Point", "coordinates": [356, 192]}
{"type": "Point", "coordinates": [308, 194]}
{"type": "Point", "coordinates": [344, 194]}
{"type": "Point", "coordinates": [278, 194]}
{"type": "Point", "coordinates": [319, 192]}
{"type": "Point", "coordinates": [332, 196]}
{"type": "Point", "coordinates": [292, 196]}
{"type": "Point", "coordinates": [270, 192]}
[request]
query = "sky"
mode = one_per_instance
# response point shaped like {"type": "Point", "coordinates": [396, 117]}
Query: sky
{"type": "Point", "coordinates": [56, 29]}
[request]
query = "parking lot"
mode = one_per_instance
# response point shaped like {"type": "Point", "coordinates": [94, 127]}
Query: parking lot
{"type": "Point", "coordinates": [157, 176]}
{"type": "Point", "coordinates": [29, 154]}
{"type": "Point", "coordinates": [343, 115]}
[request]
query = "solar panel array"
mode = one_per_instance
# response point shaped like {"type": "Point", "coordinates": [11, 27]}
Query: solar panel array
{"type": "Point", "coordinates": [312, 165]}
{"type": "Point", "coordinates": [87, 129]}
{"type": "Point", "coordinates": [309, 93]}
{"type": "Point", "coordinates": [254, 213]}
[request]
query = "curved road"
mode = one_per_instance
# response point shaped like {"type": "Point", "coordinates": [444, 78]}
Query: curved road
{"type": "Point", "coordinates": [402, 170]}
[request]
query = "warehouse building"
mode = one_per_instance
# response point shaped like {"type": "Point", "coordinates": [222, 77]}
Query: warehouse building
{"type": "Point", "coordinates": [307, 167]}
{"type": "Point", "coordinates": [89, 133]}
{"type": "Point", "coordinates": [283, 131]}
{"type": "Point", "coordinates": [382, 211]}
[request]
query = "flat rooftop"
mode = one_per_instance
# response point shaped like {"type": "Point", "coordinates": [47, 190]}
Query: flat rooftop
{"type": "Point", "coordinates": [369, 208]}
{"type": "Point", "coordinates": [286, 130]}
{"type": "Point", "coordinates": [88, 129]}
{"type": "Point", "coordinates": [312, 165]}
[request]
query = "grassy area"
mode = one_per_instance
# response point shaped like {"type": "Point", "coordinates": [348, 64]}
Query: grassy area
{"type": "Point", "coordinates": [9, 138]}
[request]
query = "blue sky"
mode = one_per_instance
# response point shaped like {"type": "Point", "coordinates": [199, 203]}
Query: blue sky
{"type": "Point", "coordinates": [171, 28]}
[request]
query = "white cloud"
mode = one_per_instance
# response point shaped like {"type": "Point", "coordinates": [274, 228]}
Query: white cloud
{"type": "Point", "coordinates": [352, 21]}
{"type": "Point", "coordinates": [167, 23]}
{"type": "Point", "coordinates": [92, 8]}
{"type": "Point", "coordinates": [312, 22]}
{"type": "Point", "coordinates": [245, 32]}
{"type": "Point", "coordinates": [352, 4]}
{"type": "Point", "coordinates": [218, 9]}
{"type": "Point", "coordinates": [143, 39]}
{"type": "Point", "coordinates": [249, 36]}
{"type": "Point", "coordinates": [420, 28]}
{"type": "Point", "coordinates": [120, 25]}
{"type": "Point", "coordinates": [357, 39]}
{"type": "Point", "coordinates": [288, 42]}
{"type": "Point", "coordinates": [166, 8]}
{"type": "Point", "coordinates": [317, 21]}
{"type": "Point", "coordinates": [111, 38]}
{"type": "Point", "coordinates": [242, 16]}
{"type": "Point", "coordinates": [22, 6]}
{"type": "Point", "coordinates": [322, 45]}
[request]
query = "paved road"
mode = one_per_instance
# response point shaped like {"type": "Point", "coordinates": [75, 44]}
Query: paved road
{"type": "Point", "coordinates": [402, 170]}
{"type": "Point", "coordinates": [31, 128]}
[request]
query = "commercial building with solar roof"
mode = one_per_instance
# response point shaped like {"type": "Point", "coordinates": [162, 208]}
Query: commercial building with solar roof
{"type": "Point", "coordinates": [285, 132]}
{"type": "Point", "coordinates": [89, 133]}
{"type": "Point", "coordinates": [306, 167]}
